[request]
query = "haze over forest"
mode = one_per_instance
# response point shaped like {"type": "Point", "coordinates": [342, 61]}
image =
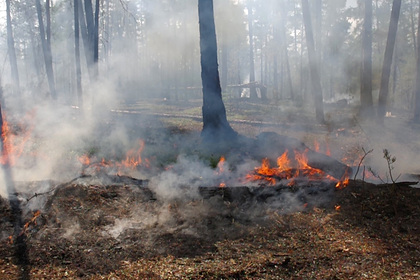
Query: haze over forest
{"type": "Point", "coordinates": [150, 49]}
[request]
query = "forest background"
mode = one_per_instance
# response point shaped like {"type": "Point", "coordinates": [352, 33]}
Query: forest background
{"type": "Point", "coordinates": [151, 49]}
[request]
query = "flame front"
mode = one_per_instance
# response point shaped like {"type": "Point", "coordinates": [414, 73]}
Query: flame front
{"type": "Point", "coordinates": [13, 146]}
{"type": "Point", "coordinates": [133, 160]}
{"type": "Point", "coordinates": [133, 157]}
{"type": "Point", "coordinates": [288, 169]}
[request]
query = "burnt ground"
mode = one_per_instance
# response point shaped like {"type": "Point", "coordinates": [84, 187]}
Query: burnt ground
{"type": "Point", "coordinates": [123, 231]}
{"type": "Point", "coordinates": [117, 227]}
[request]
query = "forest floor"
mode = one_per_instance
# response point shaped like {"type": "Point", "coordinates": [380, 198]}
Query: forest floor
{"type": "Point", "coordinates": [115, 227]}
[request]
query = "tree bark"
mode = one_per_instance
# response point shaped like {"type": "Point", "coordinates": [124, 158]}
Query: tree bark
{"type": "Point", "coordinates": [87, 24]}
{"type": "Point", "coordinates": [366, 100]}
{"type": "Point", "coordinates": [12, 51]}
{"type": "Point", "coordinates": [313, 66]}
{"type": "Point", "coordinates": [46, 51]}
{"type": "Point", "coordinates": [215, 124]}
{"type": "Point", "coordinates": [224, 80]}
{"type": "Point", "coordinates": [386, 67]}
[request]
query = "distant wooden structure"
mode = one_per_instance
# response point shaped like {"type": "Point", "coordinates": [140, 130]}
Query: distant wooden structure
{"type": "Point", "coordinates": [261, 89]}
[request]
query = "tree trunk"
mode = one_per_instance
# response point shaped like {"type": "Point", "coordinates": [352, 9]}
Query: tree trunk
{"type": "Point", "coordinates": [412, 26]}
{"type": "Point", "coordinates": [224, 80]}
{"type": "Point", "coordinates": [253, 91]}
{"type": "Point", "coordinates": [85, 37]}
{"type": "Point", "coordinates": [87, 24]}
{"type": "Point", "coordinates": [12, 51]}
{"type": "Point", "coordinates": [417, 88]}
{"type": "Point", "coordinates": [19, 239]}
{"type": "Point", "coordinates": [46, 51]}
{"type": "Point", "coordinates": [48, 18]}
{"type": "Point", "coordinates": [283, 16]}
{"type": "Point", "coordinates": [96, 42]}
{"type": "Point", "coordinates": [366, 100]}
{"type": "Point", "coordinates": [289, 74]}
{"type": "Point", "coordinates": [318, 30]}
{"type": "Point", "coordinates": [275, 78]}
{"type": "Point", "coordinates": [77, 55]}
{"type": "Point", "coordinates": [215, 124]}
{"type": "Point", "coordinates": [386, 67]}
{"type": "Point", "coordinates": [313, 67]}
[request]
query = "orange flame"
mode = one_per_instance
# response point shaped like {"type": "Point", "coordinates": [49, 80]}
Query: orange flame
{"type": "Point", "coordinates": [7, 147]}
{"type": "Point", "coordinates": [220, 165]}
{"type": "Point", "coordinates": [289, 170]}
{"type": "Point", "coordinates": [344, 181]}
{"type": "Point", "coordinates": [84, 159]}
{"type": "Point", "coordinates": [32, 221]}
{"type": "Point", "coordinates": [133, 157]}
{"type": "Point", "coordinates": [13, 146]}
{"type": "Point", "coordinates": [133, 160]}
{"type": "Point", "coordinates": [316, 146]}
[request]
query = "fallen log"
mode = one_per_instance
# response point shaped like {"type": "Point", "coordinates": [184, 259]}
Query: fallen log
{"type": "Point", "coordinates": [272, 145]}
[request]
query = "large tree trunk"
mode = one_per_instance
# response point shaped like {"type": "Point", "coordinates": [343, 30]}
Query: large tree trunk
{"type": "Point", "coordinates": [366, 100]}
{"type": "Point", "coordinates": [79, 92]}
{"type": "Point", "coordinates": [85, 37]}
{"type": "Point", "coordinates": [386, 67]}
{"type": "Point", "coordinates": [224, 81]}
{"type": "Point", "coordinates": [313, 66]}
{"type": "Point", "coordinates": [11, 50]}
{"type": "Point", "coordinates": [88, 29]}
{"type": "Point", "coordinates": [46, 49]}
{"type": "Point", "coordinates": [215, 124]}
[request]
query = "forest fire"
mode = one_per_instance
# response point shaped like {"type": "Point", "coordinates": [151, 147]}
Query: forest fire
{"type": "Point", "coordinates": [291, 169]}
{"type": "Point", "coordinates": [26, 226]}
{"type": "Point", "coordinates": [13, 146]}
{"type": "Point", "coordinates": [132, 161]}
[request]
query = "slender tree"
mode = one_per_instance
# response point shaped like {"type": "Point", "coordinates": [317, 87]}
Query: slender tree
{"type": "Point", "coordinates": [412, 26]}
{"type": "Point", "coordinates": [366, 100]}
{"type": "Point", "coordinates": [48, 21]}
{"type": "Point", "coordinates": [79, 92]}
{"type": "Point", "coordinates": [46, 49]}
{"type": "Point", "coordinates": [253, 90]}
{"type": "Point", "coordinates": [85, 38]}
{"type": "Point", "coordinates": [283, 35]}
{"type": "Point", "coordinates": [386, 67]}
{"type": "Point", "coordinates": [313, 66]}
{"type": "Point", "coordinates": [11, 49]}
{"type": "Point", "coordinates": [89, 23]}
{"type": "Point", "coordinates": [215, 124]}
{"type": "Point", "coordinates": [96, 40]}
{"type": "Point", "coordinates": [417, 86]}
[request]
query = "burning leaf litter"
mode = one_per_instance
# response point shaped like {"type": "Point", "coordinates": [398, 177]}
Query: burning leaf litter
{"type": "Point", "coordinates": [289, 170]}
